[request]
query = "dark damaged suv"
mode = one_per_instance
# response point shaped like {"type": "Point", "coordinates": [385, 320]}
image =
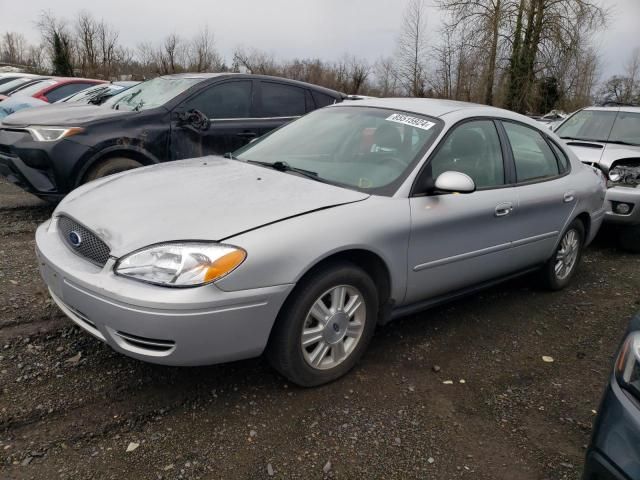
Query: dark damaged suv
{"type": "Point", "coordinates": [49, 151]}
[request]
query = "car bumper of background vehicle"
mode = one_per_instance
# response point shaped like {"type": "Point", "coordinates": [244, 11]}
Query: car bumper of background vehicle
{"type": "Point", "coordinates": [615, 447]}
{"type": "Point", "coordinates": [628, 196]}
{"type": "Point", "coordinates": [185, 326]}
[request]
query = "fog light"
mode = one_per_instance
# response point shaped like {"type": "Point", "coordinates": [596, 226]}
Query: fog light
{"type": "Point", "coordinates": [622, 208]}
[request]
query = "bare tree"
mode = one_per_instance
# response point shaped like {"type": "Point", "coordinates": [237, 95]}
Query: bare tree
{"type": "Point", "coordinates": [203, 56]}
{"type": "Point", "coordinates": [13, 48]}
{"type": "Point", "coordinates": [386, 77]}
{"type": "Point", "coordinates": [412, 49]}
{"type": "Point", "coordinates": [255, 61]}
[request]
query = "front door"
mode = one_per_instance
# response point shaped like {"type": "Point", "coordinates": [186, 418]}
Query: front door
{"type": "Point", "coordinates": [214, 121]}
{"type": "Point", "coordinates": [458, 240]}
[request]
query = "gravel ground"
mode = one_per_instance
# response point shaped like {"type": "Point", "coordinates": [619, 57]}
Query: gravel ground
{"type": "Point", "coordinates": [71, 408]}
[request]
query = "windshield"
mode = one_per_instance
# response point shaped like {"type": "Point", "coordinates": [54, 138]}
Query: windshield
{"type": "Point", "coordinates": [10, 86]}
{"type": "Point", "coordinates": [364, 148]}
{"type": "Point", "coordinates": [603, 126]}
{"type": "Point", "coordinates": [150, 94]}
{"type": "Point", "coordinates": [35, 87]}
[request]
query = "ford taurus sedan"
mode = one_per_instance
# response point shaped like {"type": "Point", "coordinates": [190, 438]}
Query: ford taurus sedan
{"type": "Point", "coordinates": [305, 240]}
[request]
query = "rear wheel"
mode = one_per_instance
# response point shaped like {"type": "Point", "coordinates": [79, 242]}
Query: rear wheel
{"type": "Point", "coordinates": [325, 326]}
{"type": "Point", "coordinates": [561, 267]}
{"type": "Point", "coordinates": [630, 238]}
{"type": "Point", "coordinates": [111, 166]}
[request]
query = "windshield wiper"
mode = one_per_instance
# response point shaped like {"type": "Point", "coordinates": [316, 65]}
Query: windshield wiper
{"type": "Point", "coordinates": [622, 142]}
{"type": "Point", "coordinates": [583, 139]}
{"type": "Point", "coordinates": [285, 167]}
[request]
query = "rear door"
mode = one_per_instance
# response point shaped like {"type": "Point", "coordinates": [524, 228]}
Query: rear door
{"type": "Point", "coordinates": [280, 103]}
{"type": "Point", "coordinates": [545, 196]}
{"type": "Point", "coordinates": [219, 119]}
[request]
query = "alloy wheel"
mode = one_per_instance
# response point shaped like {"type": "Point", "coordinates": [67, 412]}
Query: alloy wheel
{"type": "Point", "coordinates": [567, 254]}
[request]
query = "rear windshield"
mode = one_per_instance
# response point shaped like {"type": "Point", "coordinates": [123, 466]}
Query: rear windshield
{"type": "Point", "coordinates": [35, 87]}
{"type": "Point", "coordinates": [13, 84]}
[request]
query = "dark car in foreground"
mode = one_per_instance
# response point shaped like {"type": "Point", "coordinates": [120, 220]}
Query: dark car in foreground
{"type": "Point", "coordinates": [51, 151]}
{"type": "Point", "coordinates": [614, 452]}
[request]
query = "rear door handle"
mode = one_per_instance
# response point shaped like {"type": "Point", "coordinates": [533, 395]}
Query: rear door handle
{"type": "Point", "coordinates": [569, 196]}
{"type": "Point", "coordinates": [504, 209]}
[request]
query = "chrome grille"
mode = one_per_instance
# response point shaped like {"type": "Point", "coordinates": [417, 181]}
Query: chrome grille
{"type": "Point", "coordinates": [89, 245]}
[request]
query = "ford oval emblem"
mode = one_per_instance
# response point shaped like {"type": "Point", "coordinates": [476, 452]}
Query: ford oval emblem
{"type": "Point", "coordinates": [75, 239]}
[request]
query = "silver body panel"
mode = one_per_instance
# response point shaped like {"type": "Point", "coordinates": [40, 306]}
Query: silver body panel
{"type": "Point", "coordinates": [430, 245]}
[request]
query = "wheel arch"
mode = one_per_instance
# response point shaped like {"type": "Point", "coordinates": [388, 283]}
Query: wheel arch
{"type": "Point", "coordinates": [372, 263]}
{"type": "Point", "coordinates": [131, 151]}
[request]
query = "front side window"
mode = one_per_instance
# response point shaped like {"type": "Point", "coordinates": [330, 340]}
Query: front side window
{"type": "Point", "coordinates": [226, 100]}
{"type": "Point", "coordinates": [363, 148]}
{"type": "Point", "coordinates": [152, 93]}
{"type": "Point", "coordinates": [472, 148]}
{"type": "Point", "coordinates": [279, 100]}
{"type": "Point", "coordinates": [532, 155]}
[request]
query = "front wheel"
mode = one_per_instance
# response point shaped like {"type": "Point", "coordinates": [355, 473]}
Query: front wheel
{"type": "Point", "coordinates": [561, 267]}
{"type": "Point", "coordinates": [325, 326]}
{"type": "Point", "coordinates": [111, 166]}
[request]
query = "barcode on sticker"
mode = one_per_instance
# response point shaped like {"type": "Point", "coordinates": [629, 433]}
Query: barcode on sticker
{"type": "Point", "coordinates": [412, 121]}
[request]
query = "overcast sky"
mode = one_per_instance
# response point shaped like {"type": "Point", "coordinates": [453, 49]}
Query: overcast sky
{"type": "Point", "coordinates": [287, 28]}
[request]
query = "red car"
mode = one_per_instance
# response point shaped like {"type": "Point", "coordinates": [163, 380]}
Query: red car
{"type": "Point", "coordinates": [55, 88]}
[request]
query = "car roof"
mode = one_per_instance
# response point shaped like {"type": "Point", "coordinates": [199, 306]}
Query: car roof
{"type": "Point", "coordinates": [615, 108]}
{"type": "Point", "coordinates": [434, 107]}
{"type": "Point", "coordinates": [206, 76]}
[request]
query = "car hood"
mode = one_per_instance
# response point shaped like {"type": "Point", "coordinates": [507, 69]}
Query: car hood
{"type": "Point", "coordinates": [604, 154]}
{"type": "Point", "coordinates": [209, 198]}
{"type": "Point", "coordinates": [65, 114]}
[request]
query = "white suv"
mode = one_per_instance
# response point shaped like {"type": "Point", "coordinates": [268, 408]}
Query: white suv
{"type": "Point", "coordinates": [609, 138]}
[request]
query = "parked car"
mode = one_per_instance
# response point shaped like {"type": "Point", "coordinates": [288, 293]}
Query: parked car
{"type": "Point", "coordinates": [614, 450]}
{"type": "Point", "coordinates": [17, 103]}
{"type": "Point", "coordinates": [609, 138]}
{"type": "Point", "coordinates": [308, 238]}
{"type": "Point", "coordinates": [98, 94]}
{"type": "Point", "coordinates": [50, 152]}
{"type": "Point", "coordinates": [11, 86]}
{"type": "Point", "coordinates": [9, 76]}
{"type": "Point", "coordinates": [55, 88]}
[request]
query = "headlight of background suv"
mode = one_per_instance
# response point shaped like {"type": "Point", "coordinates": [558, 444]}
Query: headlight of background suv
{"type": "Point", "coordinates": [51, 134]}
{"type": "Point", "coordinates": [628, 365]}
{"type": "Point", "coordinates": [185, 264]}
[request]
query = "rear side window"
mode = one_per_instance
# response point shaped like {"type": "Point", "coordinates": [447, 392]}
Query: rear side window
{"type": "Point", "coordinates": [227, 100]}
{"type": "Point", "coordinates": [279, 100]}
{"type": "Point", "coordinates": [65, 90]}
{"type": "Point", "coordinates": [323, 100]}
{"type": "Point", "coordinates": [532, 155]}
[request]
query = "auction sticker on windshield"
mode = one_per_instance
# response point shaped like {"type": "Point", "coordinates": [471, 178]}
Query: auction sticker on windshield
{"type": "Point", "coordinates": [412, 121]}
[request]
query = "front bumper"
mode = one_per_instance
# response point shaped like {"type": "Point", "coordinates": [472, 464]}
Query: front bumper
{"type": "Point", "coordinates": [628, 195]}
{"type": "Point", "coordinates": [170, 326]}
{"type": "Point", "coordinates": [614, 453]}
{"type": "Point", "coordinates": [45, 169]}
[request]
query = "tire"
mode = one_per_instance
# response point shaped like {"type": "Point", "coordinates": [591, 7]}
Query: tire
{"type": "Point", "coordinates": [111, 166]}
{"type": "Point", "coordinates": [314, 365]}
{"type": "Point", "coordinates": [630, 238]}
{"type": "Point", "coordinates": [555, 276]}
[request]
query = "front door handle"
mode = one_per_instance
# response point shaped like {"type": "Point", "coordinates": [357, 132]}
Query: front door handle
{"type": "Point", "coordinates": [569, 196]}
{"type": "Point", "coordinates": [504, 209]}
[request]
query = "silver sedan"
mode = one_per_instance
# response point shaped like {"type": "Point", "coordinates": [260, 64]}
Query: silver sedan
{"type": "Point", "coordinates": [300, 243]}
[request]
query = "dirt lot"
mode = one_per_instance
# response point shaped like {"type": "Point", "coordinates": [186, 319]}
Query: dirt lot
{"type": "Point", "coordinates": [70, 407]}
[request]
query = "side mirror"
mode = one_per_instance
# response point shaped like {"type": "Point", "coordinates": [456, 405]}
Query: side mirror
{"type": "Point", "coordinates": [458, 182]}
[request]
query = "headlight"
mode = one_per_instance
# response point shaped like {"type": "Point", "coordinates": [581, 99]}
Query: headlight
{"type": "Point", "coordinates": [51, 134]}
{"type": "Point", "coordinates": [186, 264]}
{"type": "Point", "coordinates": [615, 175]}
{"type": "Point", "coordinates": [628, 365]}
